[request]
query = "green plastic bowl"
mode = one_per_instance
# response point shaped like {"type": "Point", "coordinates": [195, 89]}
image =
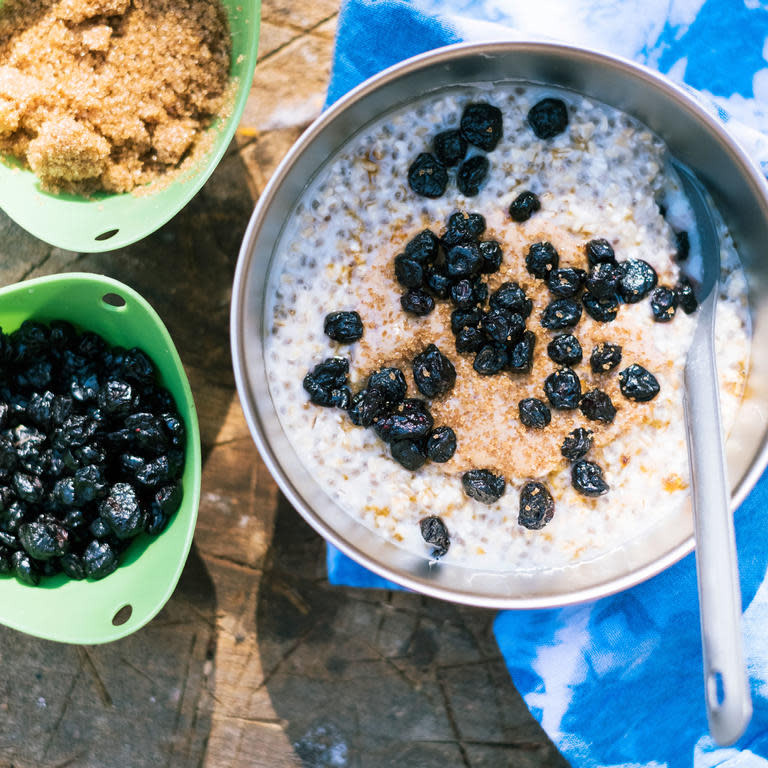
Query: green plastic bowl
{"type": "Point", "coordinates": [91, 612]}
{"type": "Point", "coordinates": [108, 221]}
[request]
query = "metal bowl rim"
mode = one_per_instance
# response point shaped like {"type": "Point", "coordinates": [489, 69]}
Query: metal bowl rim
{"type": "Point", "coordinates": [237, 336]}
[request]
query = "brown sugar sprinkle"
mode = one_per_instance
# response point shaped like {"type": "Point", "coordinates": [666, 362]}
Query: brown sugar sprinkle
{"type": "Point", "coordinates": [674, 483]}
{"type": "Point", "coordinates": [109, 94]}
{"type": "Point", "coordinates": [483, 410]}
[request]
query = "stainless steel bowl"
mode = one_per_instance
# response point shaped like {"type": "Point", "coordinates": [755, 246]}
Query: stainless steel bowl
{"type": "Point", "coordinates": [692, 135]}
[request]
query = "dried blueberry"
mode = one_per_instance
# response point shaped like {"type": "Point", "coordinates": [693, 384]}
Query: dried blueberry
{"type": "Point", "coordinates": [561, 313]}
{"type": "Point", "coordinates": [482, 485]}
{"type": "Point", "coordinates": [603, 280]}
{"type": "Point", "coordinates": [566, 282]}
{"type": "Point", "coordinates": [521, 354]}
{"type": "Point", "coordinates": [138, 368]}
{"type": "Point", "coordinates": [155, 472]}
{"type": "Point", "coordinates": [663, 304]}
{"type": "Point", "coordinates": [463, 260]}
{"type": "Point", "coordinates": [541, 259]}
{"type": "Point", "coordinates": [89, 484]}
{"type": "Point", "coordinates": [433, 372]}
{"type": "Point", "coordinates": [121, 511]}
{"type": "Point", "coordinates": [524, 206]}
{"type": "Point", "coordinates": [148, 432]}
{"type": "Point", "coordinates": [174, 427]}
{"type": "Point", "coordinates": [463, 294]}
{"type": "Point", "coordinates": [168, 498]}
{"type": "Point", "coordinates": [492, 256]}
{"type": "Point", "coordinates": [511, 297]}
{"type": "Point", "coordinates": [99, 560]}
{"type": "Point", "coordinates": [465, 318]}
{"type": "Point", "coordinates": [463, 228]}
{"type": "Point", "coordinates": [577, 444]}
{"type": "Point", "coordinates": [638, 279]}
{"type": "Point", "coordinates": [365, 407]}
{"type": "Point", "coordinates": [8, 457]}
{"type": "Point", "coordinates": [450, 147]}
{"type": "Point", "coordinates": [472, 175]}
{"type": "Point", "coordinates": [410, 420]}
{"type": "Point", "coordinates": [548, 118]}
{"type": "Point", "coordinates": [115, 397]}
{"type": "Point", "coordinates": [6, 562]}
{"type": "Point", "coordinates": [481, 125]}
{"type": "Point", "coordinates": [325, 380]}
{"type": "Point", "coordinates": [43, 540]}
{"type": "Point", "coordinates": [39, 409]}
{"type": "Point", "coordinates": [686, 298]}
{"type": "Point", "coordinates": [408, 272]}
{"type": "Point", "coordinates": [63, 493]}
{"type": "Point", "coordinates": [683, 245]}
{"type": "Point", "coordinates": [638, 384]}
{"type": "Point", "coordinates": [72, 565]}
{"type": "Point", "coordinates": [344, 327]}
{"type": "Point", "coordinates": [155, 521]}
{"type": "Point", "coordinates": [502, 327]}
{"type": "Point", "coordinates": [469, 340]}
{"type": "Point", "coordinates": [599, 251]}
{"type": "Point", "coordinates": [25, 569]}
{"type": "Point", "coordinates": [434, 532]}
{"type": "Point", "coordinates": [441, 444]}
{"type": "Point", "coordinates": [423, 247]}
{"type": "Point", "coordinates": [537, 507]}
{"type": "Point", "coordinates": [605, 357]}
{"type": "Point", "coordinates": [563, 389]}
{"type": "Point", "coordinates": [587, 478]}
{"type": "Point", "coordinates": [596, 405]}
{"type": "Point", "coordinates": [438, 283]}
{"type": "Point", "coordinates": [565, 349]}
{"type": "Point", "coordinates": [490, 360]}
{"type": "Point", "coordinates": [388, 384]}
{"type": "Point", "coordinates": [603, 310]}
{"type": "Point", "coordinates": [408, 453]}
{"type": "Point", "coordinates": [534, 413]}
{"type": "Point", "coordinates": [427, 176]}
{"type": "Point", "coordinates": [28, 487]}
{"type": "Point", "coordinates": [417, 302]}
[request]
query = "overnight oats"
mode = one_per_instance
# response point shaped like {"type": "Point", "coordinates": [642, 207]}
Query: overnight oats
{"type": "Point", "coordinates": [477, 323]}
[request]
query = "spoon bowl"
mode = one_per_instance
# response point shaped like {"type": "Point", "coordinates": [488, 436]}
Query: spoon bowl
{"type": "Point", "coordinates": [89, 612]}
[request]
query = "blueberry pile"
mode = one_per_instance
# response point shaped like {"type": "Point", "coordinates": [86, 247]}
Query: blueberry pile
{"type": "Point", "coordinates": [480, 127]}
{"type": "Point", "coordinates": [405, 424]}
{"type": "Point", "coordinates": [91, 452]}
{"type": "Point", "coordinates": [601, 291]}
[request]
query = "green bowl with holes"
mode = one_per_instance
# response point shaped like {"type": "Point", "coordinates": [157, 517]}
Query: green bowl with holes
{"type": "Point", "coordinates": [108, 221]}
{"type": "Point", "coordinates": [89, 612]}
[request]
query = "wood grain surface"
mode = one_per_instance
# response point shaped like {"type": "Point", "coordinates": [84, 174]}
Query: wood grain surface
{"type": "Point", "coordinates": [256, 660]}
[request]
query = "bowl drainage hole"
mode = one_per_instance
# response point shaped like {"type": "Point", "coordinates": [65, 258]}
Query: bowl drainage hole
{"type": "Point", "coordinates": [113, 299]}
{"type": "Point", "coordinates": [122, 615]}
{"type": "Point", "coordinates": [106, 235]}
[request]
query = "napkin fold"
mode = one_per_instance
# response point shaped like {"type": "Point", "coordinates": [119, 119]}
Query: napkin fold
{"type": "Point", "coordinates": [616, 683]}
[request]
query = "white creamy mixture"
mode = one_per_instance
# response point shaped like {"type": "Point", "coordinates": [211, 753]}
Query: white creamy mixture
{"type": "Point", "coordinates": [602, 178]}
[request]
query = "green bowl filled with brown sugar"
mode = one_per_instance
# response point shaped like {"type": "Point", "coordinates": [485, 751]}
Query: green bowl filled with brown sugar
{"type": "Point", "coordinates": [100, 459]}
{"type": "Point", "coordinates": [113, 114]}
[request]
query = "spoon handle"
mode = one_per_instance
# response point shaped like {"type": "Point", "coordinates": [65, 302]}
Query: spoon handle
{"type": "Point", "coordinates": [729, 706]}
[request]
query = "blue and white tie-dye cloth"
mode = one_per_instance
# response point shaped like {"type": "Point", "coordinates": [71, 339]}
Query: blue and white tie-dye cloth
{"type": "Point", "coordinates": [617, 682]}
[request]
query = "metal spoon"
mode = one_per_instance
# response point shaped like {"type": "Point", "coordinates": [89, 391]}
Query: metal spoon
{"type": "Point", "coordinates": [726, 687]}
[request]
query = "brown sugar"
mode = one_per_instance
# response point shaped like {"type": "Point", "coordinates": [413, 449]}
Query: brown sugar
{"type": "Point", "coordinates": [483, 410]}
{"type": "Point", "coordinates": [109, 94]}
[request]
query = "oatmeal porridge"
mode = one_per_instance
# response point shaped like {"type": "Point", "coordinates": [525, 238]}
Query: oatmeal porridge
{"type": "Point", "coordinates": [512, 263]}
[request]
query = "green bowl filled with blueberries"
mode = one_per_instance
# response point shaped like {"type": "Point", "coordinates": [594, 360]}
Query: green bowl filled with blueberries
{"type": "Point", "coordinates": [99, 459]}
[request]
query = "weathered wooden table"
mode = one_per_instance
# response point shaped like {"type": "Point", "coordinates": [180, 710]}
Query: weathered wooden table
{"type": "Point", "coordinates": [256, 660]}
